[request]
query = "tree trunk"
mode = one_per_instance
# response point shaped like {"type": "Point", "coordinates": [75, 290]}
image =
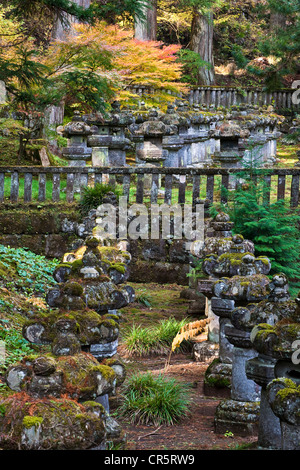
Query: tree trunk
{"type": "Point", "coordinates": [58, 31]}
{"type": "Point", "coordinates": [202, 43]}
{"type": "Point", "coordinates": [146, 30]}
{"type": "Point", "coordinates": [55, 114]}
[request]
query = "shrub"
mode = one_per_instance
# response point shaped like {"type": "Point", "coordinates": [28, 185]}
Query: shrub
{"type": "Point", "coordinates": [142, 341]}
{"type": "Point", "coordinates": [154, 400]}
{"type": "Point", "coordinates": [273, 227]}
{"type": "Point", "coordinates": [93, 196]}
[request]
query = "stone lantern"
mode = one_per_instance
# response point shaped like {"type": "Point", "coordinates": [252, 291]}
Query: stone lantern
{"type": "Point", "coordinates": [220, 242]}
{"type": "Point", "coordinates": [67, 392]}
{"type": "Point", "coordinates": [201, 137]}
{"type": "Point", "coordinates": [150, 151]}
{"type": "Point", "coordinates": [77, 132]}
{"type": "Point", "coordinates": [275, 329]}
{"type": "Point", "coordinates": [109, 142]}
{"type": "Point", "coordinates": [243, 279]}
{"type": "Point", "coordinates": [172, 143]}
{"type": "Point", "coordinates": [232, 141]}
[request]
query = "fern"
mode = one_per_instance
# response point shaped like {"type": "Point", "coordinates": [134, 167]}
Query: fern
{"type": "Point", "coordinates": [188, 331]}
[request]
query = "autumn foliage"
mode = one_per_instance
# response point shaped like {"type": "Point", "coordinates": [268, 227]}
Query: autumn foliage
{"type": "Point", "coordinates": [113, 55]}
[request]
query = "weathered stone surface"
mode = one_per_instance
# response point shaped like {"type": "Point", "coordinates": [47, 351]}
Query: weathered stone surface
{"type": "Point", "coordinates": [243, 288]}
{"type": "Point", "coordinates": [56, 424]}
{"type": "Point", "coordinates": [91, 328]}
{"type": "Point", "coordinates": [79, 376]}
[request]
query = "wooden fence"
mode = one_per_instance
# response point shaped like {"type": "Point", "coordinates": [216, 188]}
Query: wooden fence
{"type": "Point", "coordinates": [141, 185]}
{"type": "Point", "coordinates": [215, 96]}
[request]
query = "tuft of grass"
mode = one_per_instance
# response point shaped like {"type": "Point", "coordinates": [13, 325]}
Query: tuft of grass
{"type": "Point", "coordinates": [154, 400]}
{"type": "Point", "coordinates": [92, 197]}
{"type": "Point", "coordinates": [157, 339]}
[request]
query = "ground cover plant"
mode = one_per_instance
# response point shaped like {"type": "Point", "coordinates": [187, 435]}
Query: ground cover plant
{"type": "Point", "coordinates": [23, 271]}
{"type": "Point", "coordinates": [155, 339]}
{"type": "Point", "coordinates": [154, 400]}
{"type": "Point", "coordinates": [24, 280]}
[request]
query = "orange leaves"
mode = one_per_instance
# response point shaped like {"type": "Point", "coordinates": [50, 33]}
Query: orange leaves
{"type": "Point", "coordinates": [116, 55]}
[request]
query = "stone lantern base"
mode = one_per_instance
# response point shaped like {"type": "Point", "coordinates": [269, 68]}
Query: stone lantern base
{"type": "Point", "coordinates": [238, 417]}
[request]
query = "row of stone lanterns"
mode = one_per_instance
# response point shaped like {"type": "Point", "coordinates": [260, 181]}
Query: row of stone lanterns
{"type": "Point", "coordinates": [258, 330]}
{"type": "Point", "coordinates": [181, 137]}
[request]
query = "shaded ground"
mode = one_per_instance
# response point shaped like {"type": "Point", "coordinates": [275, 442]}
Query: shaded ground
{"type": "Point", "coordinates": [196, 430]}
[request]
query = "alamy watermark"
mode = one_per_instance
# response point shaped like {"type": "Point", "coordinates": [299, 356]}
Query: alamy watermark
{"type": "Point", "coordinates": [159, 221]}
{"type": "Point", "coordinates": [296, 94]}
{"type": "Point", "coordinates": [296, 353]}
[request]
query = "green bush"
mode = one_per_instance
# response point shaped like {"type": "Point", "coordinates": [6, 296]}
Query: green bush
{"type": "Point", "coordinates": [92, 197]}
{"type": "Point", "coordinates": [142, 341]}
{"type": "Point", "coordinates": [273, 227]}
{"type": "Point", "coordinates": [154, 400]}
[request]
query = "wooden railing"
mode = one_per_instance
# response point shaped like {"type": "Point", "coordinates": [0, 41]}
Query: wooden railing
{"type": "Point", "coordinates": [215, 96]}
{"type": "Point", "coordinates": [168, 185]}
{"type": "Point", "coordinates": [227, 96]}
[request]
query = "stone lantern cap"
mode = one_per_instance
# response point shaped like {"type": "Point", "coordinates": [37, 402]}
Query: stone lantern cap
{"type": "Point", "coordinates": [232, 129]}
{"type": "Point", "coordinates": [252, 288]}
{"type": "Point", "coordinates": [77, 127]}
{"type": "Point", "coordinates": [278, 340]}
{"type": "Point", "coordinates": [219, 246]}
{"type": "Point", "coordinates": [235, 264]}
{"type": "Point", "coordinates": [284, 398]}
{"type": "Point", "coordinates": [154, 129]}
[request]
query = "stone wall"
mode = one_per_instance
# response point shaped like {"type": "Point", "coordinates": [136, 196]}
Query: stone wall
{"type": "Point", "coordinates": [52, 230]}
{"type": "Point", "coordinates": [40, 228]}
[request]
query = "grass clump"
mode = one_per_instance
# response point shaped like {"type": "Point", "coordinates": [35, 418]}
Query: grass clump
{"type": "Point", "coordinates": [157, 339]}
{"type": "Point", "coordinates": [92, 197]}
{"type": "Point", "coordinates": [154, 400]}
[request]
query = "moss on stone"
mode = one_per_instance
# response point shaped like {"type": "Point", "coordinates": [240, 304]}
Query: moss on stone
{"type": "Point", "coordinates": [120, 267]}
{"type": "Point", "coordinates": [32, 421]}
{"type": "Point", "coordinates": [76, 265]}
{"type": "Point", "coordinates": [72, 288]}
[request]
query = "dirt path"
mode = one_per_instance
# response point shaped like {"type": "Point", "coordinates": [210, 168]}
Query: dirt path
{"type": "Point", "coordinates": [195, 431]}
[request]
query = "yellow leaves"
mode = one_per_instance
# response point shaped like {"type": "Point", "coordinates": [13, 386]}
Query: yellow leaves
{"type": "Point", "coordinates": [110, 50]}
{"type": "Point", "coordinates": [11, 36]}
{"type": "Point", "coordinates": [188, 331]}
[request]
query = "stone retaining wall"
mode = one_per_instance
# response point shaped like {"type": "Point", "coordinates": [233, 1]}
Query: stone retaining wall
{"type": "Point", "coordinates": [53, 230]}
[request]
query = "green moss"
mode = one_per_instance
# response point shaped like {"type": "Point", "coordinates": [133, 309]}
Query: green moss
{"type": "Point", "coordinates": [92, 242]}
{"type": "Point", "coordinates": [76, 265]}
{"type": "Point", "coordinates": [264, 331]}
{"type": "Point", "coordinates": [118, 267]}
{"type": "Point", "coordinates": [64, 265]}
{"type": "Point", "coordinates": [94, 404]}
{"type": "Point", "coordinates": [218, 382]}
{"type": "Point", "coordinates": [73, 288]}
{"type": "Point", "coordinates": [234, 258]}
{"type": "Point", "coordinates": [111, 317]}
{"type": "Point", "coordinates": [107, 372]}
{"type": "Point", "coordinates": [264, 259]}
{"type": "Point", "coordinates": [32, 421]}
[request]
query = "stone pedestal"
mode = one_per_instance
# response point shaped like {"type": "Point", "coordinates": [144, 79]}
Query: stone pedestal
{"type": "Point", "coordinates": [77, 152]}
{"type": "Point", "coordinates": [245, 393]}
{"type": "Point", "coordinates": [261, 370]}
